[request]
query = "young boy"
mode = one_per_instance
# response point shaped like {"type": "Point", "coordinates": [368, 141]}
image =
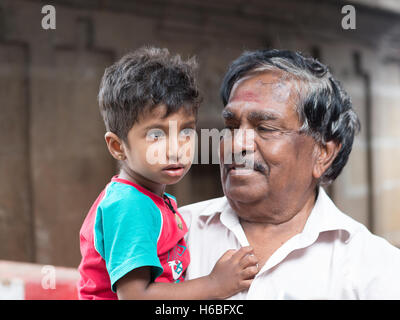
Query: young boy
{"type": "Point", "coordinates": [132, 240]}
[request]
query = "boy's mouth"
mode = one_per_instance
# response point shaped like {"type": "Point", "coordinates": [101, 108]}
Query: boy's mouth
{"type": "Point", "coordinates": [174, 170]}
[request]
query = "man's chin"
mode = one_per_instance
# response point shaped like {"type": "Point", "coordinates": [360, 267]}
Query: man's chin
{"type": "Point", "coordinates": [241, 193]}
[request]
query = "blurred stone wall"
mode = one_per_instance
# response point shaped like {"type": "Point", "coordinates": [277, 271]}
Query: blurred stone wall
{"type": "Point", "coordinates": [54, 162]}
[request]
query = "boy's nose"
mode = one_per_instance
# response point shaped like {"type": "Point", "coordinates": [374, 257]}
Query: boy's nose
{"type": "Point", "coordinates": [172, 150]}
{"type": "Point", "coordinates": [173, 143]}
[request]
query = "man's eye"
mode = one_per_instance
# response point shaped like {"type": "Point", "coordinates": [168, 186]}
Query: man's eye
{"type": "Point", "coordinates": [265, 129]}
{"type": "Point", "coordinates": [155, 134]}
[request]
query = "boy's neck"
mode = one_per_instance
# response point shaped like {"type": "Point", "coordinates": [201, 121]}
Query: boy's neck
{"type": "Point", "coordinates": [153, 187]}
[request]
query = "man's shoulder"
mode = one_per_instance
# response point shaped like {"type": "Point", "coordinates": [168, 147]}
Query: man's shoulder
{"type": "Point", "coordinates": [363, 239]}
{"type": "Point", "coordinates": [372, 245]}
{"type": "Point", "coordinates": [207, 208]}
{"type": "Point", "coordinates": [364, 248]}
{"type": "Point", "coordinates": [361, 243]}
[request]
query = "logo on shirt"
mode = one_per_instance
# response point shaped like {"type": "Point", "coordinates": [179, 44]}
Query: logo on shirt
{"type": "Point", "coordinates": [174, 262]}
{"type": "Point", "coordinates": [176, 268]}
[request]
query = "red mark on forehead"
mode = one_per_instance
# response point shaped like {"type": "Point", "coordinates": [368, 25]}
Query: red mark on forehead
{"type": "Point", "coordinates": [245, 96]}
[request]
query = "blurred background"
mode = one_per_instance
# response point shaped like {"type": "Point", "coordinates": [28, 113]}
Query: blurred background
{"type": "Point", "coordinates": [53, 158]}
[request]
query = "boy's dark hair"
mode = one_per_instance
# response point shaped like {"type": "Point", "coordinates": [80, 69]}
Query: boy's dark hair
{"type": "Point", "coordinates": [142, 80]}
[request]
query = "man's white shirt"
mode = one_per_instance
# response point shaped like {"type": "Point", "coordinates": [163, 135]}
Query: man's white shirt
{"type": "Point", "coordinates": [334, 257]}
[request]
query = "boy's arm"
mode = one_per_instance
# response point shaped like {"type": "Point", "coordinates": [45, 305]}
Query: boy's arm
{"type": "Point", "coordinates": [232, 273]}
{"type": "Point", "coordinates": [135, 285]}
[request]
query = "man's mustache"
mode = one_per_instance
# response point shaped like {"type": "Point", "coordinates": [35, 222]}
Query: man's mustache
{"type": "Point", "coordinates": [260, 167]}
{"type": "Point", "coordinates": [247, 161]}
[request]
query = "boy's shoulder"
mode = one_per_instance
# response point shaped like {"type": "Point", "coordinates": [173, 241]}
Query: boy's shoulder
{"type": "Point", "coordinates": [119, 194]}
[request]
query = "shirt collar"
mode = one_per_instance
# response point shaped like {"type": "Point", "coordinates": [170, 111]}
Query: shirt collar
{"type": "Point", "coordinates": [325, 216]}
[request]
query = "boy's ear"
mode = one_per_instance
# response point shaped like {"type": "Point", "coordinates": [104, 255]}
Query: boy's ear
{"type": "Point", "coordinates": [325, 156]}
{"type": "Point", "coordinates": [114, 145]}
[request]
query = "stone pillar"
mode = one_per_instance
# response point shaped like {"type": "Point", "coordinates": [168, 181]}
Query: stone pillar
{"type": "Point", "coordinates": [16, 235]}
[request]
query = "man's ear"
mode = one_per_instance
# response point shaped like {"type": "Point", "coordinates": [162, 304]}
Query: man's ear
{"type": "Point", "coordinates": [325, 156]}
{"type": "Point", "coordinates": [114, 145]}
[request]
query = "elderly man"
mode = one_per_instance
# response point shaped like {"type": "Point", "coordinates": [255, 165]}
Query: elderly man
{"type": "Point", "coordinates": [303, 129]}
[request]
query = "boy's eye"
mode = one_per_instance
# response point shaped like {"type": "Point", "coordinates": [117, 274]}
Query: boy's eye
{"type": "Point", "coordinates": [155, 134]}
{"type": "Point", "coordinates": [187, 132]}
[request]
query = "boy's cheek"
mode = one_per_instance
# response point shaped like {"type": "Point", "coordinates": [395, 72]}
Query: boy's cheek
{"type": "Point", "coordinates": [187, 153]}
{"type": "Point", "coordinates": [156, 153]}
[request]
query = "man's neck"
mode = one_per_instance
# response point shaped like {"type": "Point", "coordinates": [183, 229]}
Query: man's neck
{"type": "Point", "coordinates": [266, 236]}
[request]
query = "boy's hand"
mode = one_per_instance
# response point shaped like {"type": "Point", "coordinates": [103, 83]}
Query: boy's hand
{"type": "Point", "coordinates": [233, 272]}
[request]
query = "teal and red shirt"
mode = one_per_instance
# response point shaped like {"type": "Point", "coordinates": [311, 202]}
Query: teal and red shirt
{"type": "Point", "coordinates": [129, 227]}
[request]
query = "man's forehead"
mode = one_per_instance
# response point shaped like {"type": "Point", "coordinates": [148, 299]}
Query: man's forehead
{"type": "Point", "coordinates": [253, 110]}
{"type": "Point", "coordinates": [284, 116]}
{"type": "Point", "coordinates": [262, 87]}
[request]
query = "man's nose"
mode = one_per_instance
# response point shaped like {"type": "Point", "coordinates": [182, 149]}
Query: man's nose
{"type": "Point", "coordinates": [238, 147]}
{"type": "Point", "coordinates": [243, 141]}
